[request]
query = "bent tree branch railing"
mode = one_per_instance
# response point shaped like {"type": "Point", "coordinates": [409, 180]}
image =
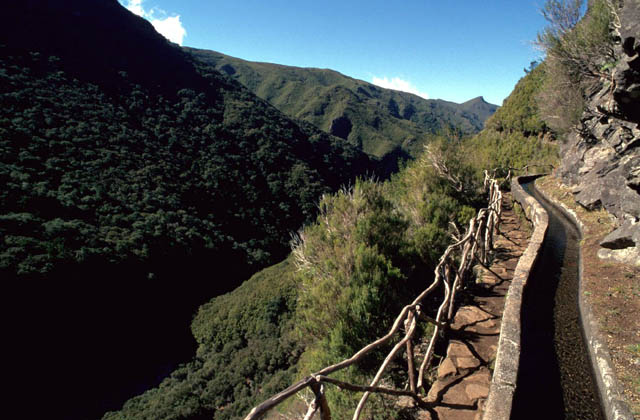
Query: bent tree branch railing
{"type": "Point", "coordinates": [453, 268]}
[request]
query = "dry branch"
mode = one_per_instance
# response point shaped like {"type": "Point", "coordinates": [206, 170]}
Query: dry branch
{"type": "Point", "coordinates": [364, 388]}
{"type": "Point", "coordinates": [439, 164]}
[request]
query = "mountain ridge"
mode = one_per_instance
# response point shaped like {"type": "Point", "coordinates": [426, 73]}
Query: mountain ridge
{"type": "Point", "coordinates": [381, 121]}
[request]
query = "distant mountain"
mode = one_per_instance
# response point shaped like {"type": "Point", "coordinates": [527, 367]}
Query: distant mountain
{"type": "Point", "coordinates": [381, 121]}
{"type": "Point", "coordinates": [478, 110]}
{"type": "Point", "coordinates": [136, 184]}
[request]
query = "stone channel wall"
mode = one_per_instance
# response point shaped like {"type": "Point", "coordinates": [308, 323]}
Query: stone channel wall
{"type": "Point", "coordinates": [610, 392]}
{"type": "Point", "coordinates": [505, 374]}
{"type": "Point", "coordinates": [600, 161]}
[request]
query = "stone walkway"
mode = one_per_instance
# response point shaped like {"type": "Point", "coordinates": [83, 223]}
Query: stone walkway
{"type": "Point", "coordinates": [464, 375]}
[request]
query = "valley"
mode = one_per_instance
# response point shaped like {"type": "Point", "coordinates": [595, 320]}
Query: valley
{"type": "Point", "coordinates": [187, 233]}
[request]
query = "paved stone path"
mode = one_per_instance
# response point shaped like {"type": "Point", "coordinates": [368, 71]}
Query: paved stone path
{"type": "Point", "coordinates": [464, 375]}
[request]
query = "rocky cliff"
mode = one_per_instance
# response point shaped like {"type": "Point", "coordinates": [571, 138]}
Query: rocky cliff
{"type": "Point", "coordinates": [601, 158]}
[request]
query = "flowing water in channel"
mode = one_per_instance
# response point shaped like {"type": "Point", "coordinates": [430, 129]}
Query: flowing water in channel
{"type": "Point", "coordinates": [555, 378]}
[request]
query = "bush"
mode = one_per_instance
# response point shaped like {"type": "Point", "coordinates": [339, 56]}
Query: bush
{"type": "Point", "coordinates": [580, 45]}
{"type": "Point", "coordinates": [560, 101]}
{"type": "Point", "coordinates": [577, 53]}
{"type": "Point", "coordinates": [372, 249]}
{"type": "Point", "coordinates": [346, 266]}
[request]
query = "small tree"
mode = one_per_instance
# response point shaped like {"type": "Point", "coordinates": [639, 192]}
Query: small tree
{"type": "Point", "coordinates": [582, 46]}
{"type": "Point", "coordinates": [578, 48]}
{"type": "Point", "coordinates": [562, 16]}
{"type": "Point", "coordinates": [560, 100]}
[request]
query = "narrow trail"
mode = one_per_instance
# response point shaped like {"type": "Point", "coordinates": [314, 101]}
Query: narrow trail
{"type": "Point", "coordinates": [464, 375]}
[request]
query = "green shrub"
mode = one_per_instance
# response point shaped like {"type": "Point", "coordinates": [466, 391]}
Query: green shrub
{"type": "Point", "coordinates": [346, 269]}
{"type": "Point", "coordinates": [368, 255]}
{"type": "Point", "coordinates": [560, 100]}
{"type": "Point", "coordinates": [582, 46]}
{"type": "Point", "coordinates": [578, 51]}
{"type": "Point", "coordinates": [514, 150]}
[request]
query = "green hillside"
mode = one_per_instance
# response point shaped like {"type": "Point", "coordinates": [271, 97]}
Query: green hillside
{"type": "Point", "coordinates": [516, 135]}
{"type": "Point", "coordinates": [285, 322]}
{"type": "Point", "coordinates": [129, 175]}
{"type": "Point", "coordinates": [367, 252]}
{"type": "Point", "coordinates": [139, 182]}
{"type": "Point", "coordinates": [376, 245]}
{"type": "Point", "coordinates": [381, 121]}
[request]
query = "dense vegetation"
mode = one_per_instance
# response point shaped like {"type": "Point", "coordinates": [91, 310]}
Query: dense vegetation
{"type": "Point", "coordinates": [136, 176]}
{"type": "Point", "coordinates": [516, 136]}
{"type": "Point", "coordinates": [246, 350]}
{"type": "Point", "coordinates": [371, 249]}
{"type": "Point", "coordinates": [549, 101]}
{"type": "Point", "coordinates": [579, 55]}
{"type": "Point", "coordinates": [132, 174]}
{"type": "Point", "coordinates": [385, 123]}
{"type": "Point", "coordinates": [129, 174]}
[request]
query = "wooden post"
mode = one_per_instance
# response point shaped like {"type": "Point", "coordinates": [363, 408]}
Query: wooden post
{"type": "Point", "coordinates": [410, 366]}
{"type": "Point", "coordinates": [427, 357]}
{"type": "Point", "coordinates": [321, 401]}
{"type": "Point", "coordinates": [384, 365]}
{"type": "Point", "coordinates": [311, 410]}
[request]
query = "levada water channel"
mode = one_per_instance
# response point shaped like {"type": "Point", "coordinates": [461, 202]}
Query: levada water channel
{"type": "Point", "coordinates": [555, 378]}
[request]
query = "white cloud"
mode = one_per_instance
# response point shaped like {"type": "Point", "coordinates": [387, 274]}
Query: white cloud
{"type": "Point", "coordinates": [135, 6]}
{"type": "Point", "coordinates": [169, 26]}
{"type": "Point", "coordinates": [397, 83]}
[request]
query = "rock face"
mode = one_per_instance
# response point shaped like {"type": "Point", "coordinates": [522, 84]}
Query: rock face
{"type": "Point", "coordinates": [627, 90]}
{"type": "Point", "coordinates": [601, 160]}
{"type": "Point", "coordinates": [626, 236]}
{"type": "Point", "coordinates": [621, 244]}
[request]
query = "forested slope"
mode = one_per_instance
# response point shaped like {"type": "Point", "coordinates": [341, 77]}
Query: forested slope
{"type": "Point", "coordinates": [342, 296]}
{"type": "Point", "coordinates": [369, 251]}
{"type": "Point", "coordinates": [516, 136]}
{"type": "Point", "coordinates": [384, 122]}
{"type": "Point", "coordinates": [129, 176]}
{"type": "Point", "coordinates": [141, 175]}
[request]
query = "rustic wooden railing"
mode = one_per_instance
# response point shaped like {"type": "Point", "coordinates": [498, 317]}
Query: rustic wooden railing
{"type": "Point", "coordinates": [454, 267]}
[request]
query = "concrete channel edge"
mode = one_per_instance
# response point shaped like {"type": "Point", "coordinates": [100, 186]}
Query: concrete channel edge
{"type": "Point", "coordinates": [607, 382]}
{"type": "Point", "coordinates": [503, 382]}
{"type": "Point", "coordinates": [505, 374]}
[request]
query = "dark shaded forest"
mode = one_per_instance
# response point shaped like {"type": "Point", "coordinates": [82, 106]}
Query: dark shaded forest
{"type": "Point", "coordinates": [136, 185]}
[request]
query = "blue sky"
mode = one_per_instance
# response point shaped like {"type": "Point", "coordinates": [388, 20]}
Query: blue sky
{"type": "Point", "coordinates": [452, 50]}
